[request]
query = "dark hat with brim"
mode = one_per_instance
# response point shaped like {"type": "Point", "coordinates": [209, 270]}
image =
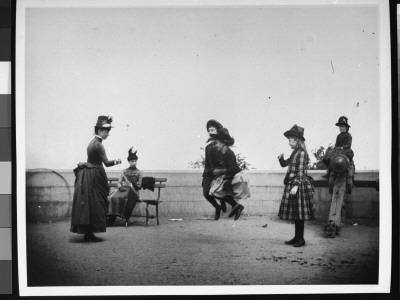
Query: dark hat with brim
{"type": "Point", "coordinates": [104, 122]}
{"type": "Point", "coordinates": [132, 154]}
{"type": "Point", "coordinates": [224, 137]}
{"type": "Point", "coordinates": [295, 132]}
{"type": "Point", "coordinates": [343, 122]}
{"type": "Point", "coordinates": [214, 123]}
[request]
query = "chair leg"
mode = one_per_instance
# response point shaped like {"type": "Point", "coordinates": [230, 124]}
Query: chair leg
{"type": "Point", "coordinates": [158, 223]}
{"type": "Point", "coordinates": [147, 214]}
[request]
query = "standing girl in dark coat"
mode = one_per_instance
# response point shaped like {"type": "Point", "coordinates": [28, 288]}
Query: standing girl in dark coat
{"type": "Point", "coordinates": [90, 201]}
{"type": "Point", "coordinates": [298, 196]}
{"type": "Point", "coordinates": [227, 170]}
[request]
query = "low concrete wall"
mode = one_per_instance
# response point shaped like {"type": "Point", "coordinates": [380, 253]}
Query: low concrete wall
{"type": "Point", "coordinates": [49, 195]}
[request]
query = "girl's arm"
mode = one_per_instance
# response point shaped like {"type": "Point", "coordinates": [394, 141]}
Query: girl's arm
{"type": "Point", "coordinates": [139, 182]}
{"type": "Point", "coordinates": [300, 169]}
{"type": "Point", "coordinates": [348, 141]}
{"type": "Point", "coordinates": [207, 165]}
{"type": "Point", "coordinates": [284, 162]}
{"type": "Point", "coordinates": [337, 141]}
{"type": "Point", "coordinates": [231, 165]}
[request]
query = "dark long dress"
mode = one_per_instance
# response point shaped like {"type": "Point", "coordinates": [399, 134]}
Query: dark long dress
{"type": "Point", "coordinates": [123, 201]}
{"type": "Point", "coordinates": [90, 201]}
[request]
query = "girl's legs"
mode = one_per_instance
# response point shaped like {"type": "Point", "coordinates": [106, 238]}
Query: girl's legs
{"type": "Point", "coordinates": [229, 199]}
{"type": "Point", "coordinates": [236, 207]}
{"type": "Point", "coordinates": [300, 242]}
{"type": "Point", "coordinates": [296, 234]}
{"type": "Point", "coordinates": [206, 193]}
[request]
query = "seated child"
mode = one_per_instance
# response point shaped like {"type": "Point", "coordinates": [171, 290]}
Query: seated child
{"type": "Point", "coordinates": [342, 145]}
{"type": "Point", "coordinates": [124, 200]}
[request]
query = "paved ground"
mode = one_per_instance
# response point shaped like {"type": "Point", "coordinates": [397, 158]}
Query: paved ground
{"type": "Point", "coordinates": [203, 252]}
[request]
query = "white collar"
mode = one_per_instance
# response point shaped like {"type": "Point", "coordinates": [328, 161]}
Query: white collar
{"type": "Point", "coordinates": [98, 136]}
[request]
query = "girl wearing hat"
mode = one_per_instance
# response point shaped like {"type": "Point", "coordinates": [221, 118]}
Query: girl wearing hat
{"type": "Point", "coordinates": [298, 196]}
{"type": "Point", "coordinates": [342, 145]}
{"type": "Point", "coordinates": [212, 160]}
{"type": "Point", "coordinates": [221, 187]}
{"type": "Point", "coordinates": [90, 201]}
{"type": "Point", "coordinates": [124, 200]}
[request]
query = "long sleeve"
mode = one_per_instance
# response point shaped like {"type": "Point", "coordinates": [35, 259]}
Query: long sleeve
{"type": "Point", "coordinates": [337, 141]}
{"type": "Point", "coordinates": [229, 163]}
{"type": "Point", "coordinates": [103, 156]}
{"type": "Point", "coordinates": [348, 141]}
{"type": "Point", "coordinates": [297, 167]}
{"type": "Point", "coordinates": [284, 162]}
{"type": "Point", "coordinates": [207, 162]}
{"type": "Point", "coordinates": [301, 163]}
{"type": "Point", "coordinates": [344, 140]}
{"type": "Point", "coordinates": [139, 181]}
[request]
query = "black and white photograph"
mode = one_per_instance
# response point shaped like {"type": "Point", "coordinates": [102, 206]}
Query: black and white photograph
{"type": "Point", "coordinates": [186, 147]}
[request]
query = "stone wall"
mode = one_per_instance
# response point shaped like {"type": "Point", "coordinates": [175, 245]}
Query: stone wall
{"type": "Point", "coordinates": [49, 195]}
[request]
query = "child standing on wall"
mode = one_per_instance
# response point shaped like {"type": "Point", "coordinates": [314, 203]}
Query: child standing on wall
{"type": "Point", "coordinates": [298, 196]}
{"type": "Point", "coordinates": [342, 145]}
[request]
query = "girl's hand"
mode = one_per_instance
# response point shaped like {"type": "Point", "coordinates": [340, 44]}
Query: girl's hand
{"type": "Point", "coordinates": [280, 155]}
{"type": "Point", "coordinates": [294, 189]}
{"type": "Point", "coordinates": [216, 172]}
{"type": "Point", "coordinates": [117, 161]}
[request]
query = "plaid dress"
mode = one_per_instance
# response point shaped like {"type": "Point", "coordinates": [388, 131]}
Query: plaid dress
{"type": "Point", "coordinates": [300, 206]}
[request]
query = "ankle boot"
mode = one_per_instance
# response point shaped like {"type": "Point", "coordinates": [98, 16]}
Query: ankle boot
{"type": "Point", "coordinates": [90, 237]}
{"type": "Point", "coordinates": [296, 235]}
{"type": "Point", "coordinates": [238, 212]}
{"type": "Point", "coordinates": [300, 242]}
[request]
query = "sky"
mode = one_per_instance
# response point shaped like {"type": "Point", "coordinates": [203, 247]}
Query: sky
{"type": "Point", "coordinates": [163, 72]}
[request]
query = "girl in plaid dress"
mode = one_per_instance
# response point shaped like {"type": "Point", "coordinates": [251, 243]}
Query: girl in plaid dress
{"type": "Point", "coordinates": [298, 197]}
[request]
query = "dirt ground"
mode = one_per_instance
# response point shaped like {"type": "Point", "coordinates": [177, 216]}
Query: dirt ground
{"type": "Point", "coordinates": [201, 251]}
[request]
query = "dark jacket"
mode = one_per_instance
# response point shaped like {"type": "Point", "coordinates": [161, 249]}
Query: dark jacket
{"type": "Point", "coordinates": [97, 154]}
{"type": "Point", "coordinates": [229, 164]}
{"type": "Point", "coordinates": [212, 160]}
{"type": "Point", "coordinates": [344, 140]}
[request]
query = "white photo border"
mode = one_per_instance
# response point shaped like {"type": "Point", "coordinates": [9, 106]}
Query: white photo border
{"type": "Point", "coordinates": [385, 227]}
